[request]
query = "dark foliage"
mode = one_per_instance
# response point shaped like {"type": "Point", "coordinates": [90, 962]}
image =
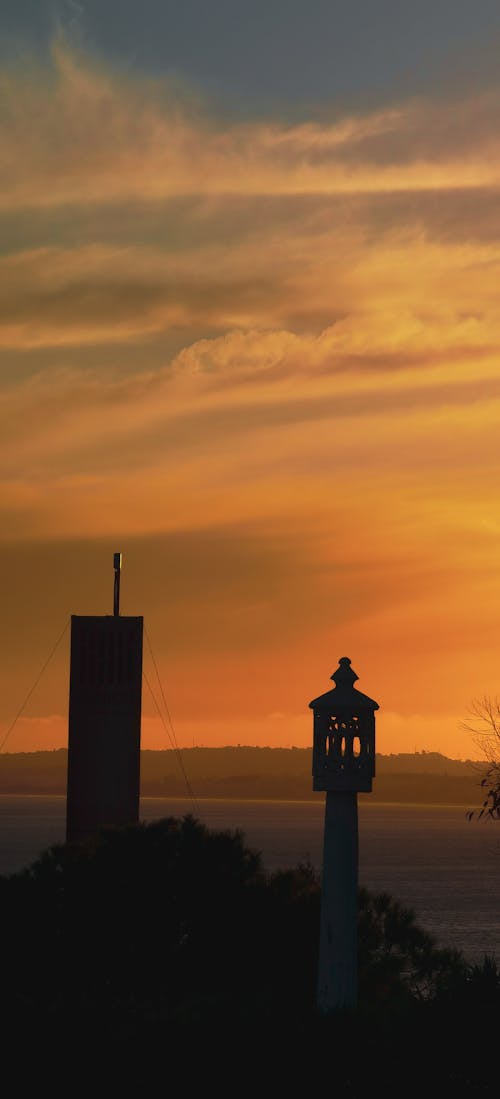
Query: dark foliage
{"type": "Point", "coordinates": [490, 786]}
{"type": "Point", "coordinates": [484, 724]}
{"type": "Point", "coordinates": [166, 945]}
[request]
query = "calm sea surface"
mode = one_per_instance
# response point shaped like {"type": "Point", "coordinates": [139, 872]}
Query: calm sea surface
{"type": "Point", "coordinates": [428, 857]}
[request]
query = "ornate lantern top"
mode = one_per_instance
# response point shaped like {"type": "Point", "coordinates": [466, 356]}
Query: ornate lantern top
{"type": "Point", "coordinates": [344, 735]}
{"type": "Point", "coordinates": [344, 695]}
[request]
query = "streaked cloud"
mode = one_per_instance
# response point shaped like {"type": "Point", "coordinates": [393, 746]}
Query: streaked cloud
{"type": "Point", "coordinates": [306, 430]}
{"type": "Point", "coordinates": [78, 134]}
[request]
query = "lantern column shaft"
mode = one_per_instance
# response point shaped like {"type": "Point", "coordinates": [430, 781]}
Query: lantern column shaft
{"type": "Point", "coordinates": [337, 969]}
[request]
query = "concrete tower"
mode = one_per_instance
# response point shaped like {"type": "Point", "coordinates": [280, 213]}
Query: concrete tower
{"type": "Point", "coordinates": [343, 765]}
{"type": "Point", "coordinates": [104, 720]}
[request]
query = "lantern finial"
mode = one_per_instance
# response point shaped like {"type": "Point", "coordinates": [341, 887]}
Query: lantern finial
{"type": "Point", "coordinates": [345, 676]}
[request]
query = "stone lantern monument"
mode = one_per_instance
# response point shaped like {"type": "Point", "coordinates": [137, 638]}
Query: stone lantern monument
{"type": "Point", "coordinates": [343, 765]}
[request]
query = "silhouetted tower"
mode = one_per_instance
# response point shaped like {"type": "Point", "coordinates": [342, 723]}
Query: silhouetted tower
{"type": "Point", "coordinates": [104, 720]}
{"type": "Point", "coordinates": [343, 765]}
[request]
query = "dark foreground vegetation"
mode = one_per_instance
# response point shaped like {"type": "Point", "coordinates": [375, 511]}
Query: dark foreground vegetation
{"type": "Point", "coordinates": [163, 952]}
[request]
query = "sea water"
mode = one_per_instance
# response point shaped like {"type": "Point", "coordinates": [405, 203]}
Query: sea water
{"type": "Point", "coordinates": [430, 858]}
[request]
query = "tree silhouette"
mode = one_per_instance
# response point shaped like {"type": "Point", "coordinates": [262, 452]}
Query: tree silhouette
{"type": "Point", "coordinates": [170, 940]}
{"type": "Point", "coordinates": [484, 724]}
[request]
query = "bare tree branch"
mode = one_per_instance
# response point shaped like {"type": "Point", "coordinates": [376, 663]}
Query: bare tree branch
{"type": "Point", "coordinates": [484, 724]}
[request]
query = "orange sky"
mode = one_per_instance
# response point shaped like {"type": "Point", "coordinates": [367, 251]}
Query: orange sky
{"type": "Point", "coordinates": [261, 360]}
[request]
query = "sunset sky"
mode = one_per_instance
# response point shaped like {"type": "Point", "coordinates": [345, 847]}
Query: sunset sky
{"type": "Point", "coordinates": [250, 338]}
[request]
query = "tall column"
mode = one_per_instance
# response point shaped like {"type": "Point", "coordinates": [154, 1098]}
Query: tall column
{"type": "Point", "coordinates": [337, 966]}
{"type": "Point", "coordinates": [343, 765]}
{"type": "Point", "coordinates": [104, 721]}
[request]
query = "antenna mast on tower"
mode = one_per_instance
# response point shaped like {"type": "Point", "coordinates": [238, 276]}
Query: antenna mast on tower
{"type": "Point", "coordinates": [117, 563]}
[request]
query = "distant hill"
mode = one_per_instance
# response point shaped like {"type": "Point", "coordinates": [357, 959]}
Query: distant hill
{"type": "Point", "coordinates": [271, 773]}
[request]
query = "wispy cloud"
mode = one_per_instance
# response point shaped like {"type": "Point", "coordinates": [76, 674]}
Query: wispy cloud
{"type": "Point", "coordinates": [78, 134]}
{"type": "Point", "coordinates": [309, 424]}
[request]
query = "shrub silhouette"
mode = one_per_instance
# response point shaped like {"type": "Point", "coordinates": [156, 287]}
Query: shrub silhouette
{"type": "Point", "coordinates": [165, 936]}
